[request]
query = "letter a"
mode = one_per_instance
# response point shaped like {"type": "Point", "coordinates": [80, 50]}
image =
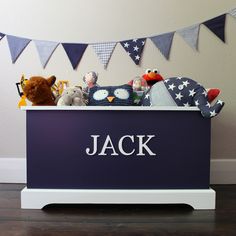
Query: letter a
{"type": "Point", "coordinates": [105, 147]}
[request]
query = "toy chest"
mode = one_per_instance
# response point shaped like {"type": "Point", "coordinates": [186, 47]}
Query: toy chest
{"type": "Point", "coordinates": [117, 155]}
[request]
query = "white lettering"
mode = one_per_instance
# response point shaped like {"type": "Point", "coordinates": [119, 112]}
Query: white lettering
{"type": "Point", "coordinates": [95, 145]}
{"type": "Point", "coordinates": [105, 147]}
{"type": "Point", "coordinates": [142, 149]}
{"type": "Point", "coordinates": [144, 145]}
{"type": "Point", "coordinates": [120, 145]}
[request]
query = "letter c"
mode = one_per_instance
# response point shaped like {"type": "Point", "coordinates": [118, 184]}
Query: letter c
{"type": "Point", "coordinates": [120, 145]}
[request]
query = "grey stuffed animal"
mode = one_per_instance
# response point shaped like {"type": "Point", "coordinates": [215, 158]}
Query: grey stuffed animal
{"type": "Point", "coordinates": [72, 96]}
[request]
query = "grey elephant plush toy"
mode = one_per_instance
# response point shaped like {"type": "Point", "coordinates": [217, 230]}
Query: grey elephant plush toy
{"type": "Point", "coordinates": [72, 96]}
{"type": "Point", "coordinates": [181, 91]}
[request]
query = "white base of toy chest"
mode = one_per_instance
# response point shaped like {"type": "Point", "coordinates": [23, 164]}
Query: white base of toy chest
{"type": "Point", "coordinates": [38, 198]}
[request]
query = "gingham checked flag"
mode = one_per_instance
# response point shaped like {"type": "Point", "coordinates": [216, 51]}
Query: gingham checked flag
{"type": "Point", "coordinates": [104, 51]}
{"type": "Point", "coordinates": [134, 48]}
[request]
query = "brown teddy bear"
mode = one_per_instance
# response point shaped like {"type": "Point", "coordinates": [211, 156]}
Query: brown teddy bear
{"type": "Point", "coordinates": [38, 91]}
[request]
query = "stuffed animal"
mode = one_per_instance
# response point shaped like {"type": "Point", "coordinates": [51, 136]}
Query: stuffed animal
{"type": "Point", "coordinates": [59, 87]}
{"type": "Point", "coordinates": [20, 86]}
{"type": "Point", "coordinates": [38, 91]}
{"type": "Point", "coordinates": [111, 96]}
{"type": "Point", "coordinates": [181, 91]}
{"type": "Point", "coordinates": [139, 86]}
{"type": "Point", "coordinates": [72, 96]}
{"type": "Point", "coordinates": [152, 77]}
{"type": "Point", "coordinates": [90, 80]}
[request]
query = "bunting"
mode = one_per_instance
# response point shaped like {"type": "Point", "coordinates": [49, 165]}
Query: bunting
{"type": "Point", "coordinates": [163, 42]}
{"type": "Point", "coordinates": [45, 50]}
{"type": "Point", "coordinates": [1, 35]}
{"type": "Point", "coordinates": [104, 51]}
{"type": "Point", "coordinates": [16, 46]}
{"type": "Point", "coordinates": [133, 47]}
{"type": "Point", "coordinates": [217, 26]}
{"type": "Point", "coordinates": [74, 52]}
{"type": "Point", "coordinates": [233, 12]}
{"type": "Point", "coordinates": [190, 35]}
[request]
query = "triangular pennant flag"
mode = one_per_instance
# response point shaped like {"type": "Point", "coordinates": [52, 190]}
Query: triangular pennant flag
{"type": "Point", "coordinates": [45, 50]}
{"type": "Point", "coordinates": [16, 46]}
{"type": "Point", "coordinates": [134, 48]}
{"type": "Point", "coordinates": [74, 52]}
{"type": "Point", "coordinates": [217, 26]}
{"type": "Point", "coordinates": [1, 35]}
{"type": "Point", "coordinates": [190, 35]}
{"type": "Point", "coordinates": [233, 12]}
{"type": "Point", "coordinates": [163, 42]}
{"type": "Point", "coordinates": [104, 51]}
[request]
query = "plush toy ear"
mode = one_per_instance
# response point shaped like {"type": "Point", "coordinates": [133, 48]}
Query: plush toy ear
{"type": "Point", "coordinates": [51, 80]}
{"type": "Point", "coordinates": [79, 87]}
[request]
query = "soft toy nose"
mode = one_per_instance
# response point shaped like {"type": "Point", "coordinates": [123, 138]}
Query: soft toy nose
{"type": "Point", "coordinates": [152, 75]}
{"type": "Point", "coordinates": [110, 99]}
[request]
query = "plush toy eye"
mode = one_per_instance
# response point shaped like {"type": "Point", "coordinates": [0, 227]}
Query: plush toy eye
{"type": "Point", "coordinates": [121, 93]}
{"type": "Point", "coordinates": [156, 71]}
{"type": "Point", "coordinates": [148, 71]}
{"type": "Point", "coordinates": [100, 94]}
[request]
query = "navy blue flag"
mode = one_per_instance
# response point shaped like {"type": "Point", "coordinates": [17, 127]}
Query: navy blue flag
{"type": "Point", "coordinates": [134, 48]}
{"type": "Point", "coordinates": [1, 35]}
{"type": "Point", "coordinates": [74, 52]}
{"type": "Point", "coordinates": [217, 26]}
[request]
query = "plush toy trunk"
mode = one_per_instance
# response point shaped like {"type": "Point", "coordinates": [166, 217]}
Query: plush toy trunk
{"type": "Point", "coordinates": [57, 139]}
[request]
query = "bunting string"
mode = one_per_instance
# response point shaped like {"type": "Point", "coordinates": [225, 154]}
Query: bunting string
{"type": "Point", "coordinates": [104, 50]}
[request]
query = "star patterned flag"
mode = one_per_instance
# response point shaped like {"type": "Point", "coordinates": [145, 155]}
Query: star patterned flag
{"type": "Point", "coordinates": [134, 48]}
{"type": "Point", "coordinates": [104, 51]}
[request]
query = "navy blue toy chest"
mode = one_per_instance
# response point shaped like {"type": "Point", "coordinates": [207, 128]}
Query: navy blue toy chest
{"type": "Point", "coordinates": [59, 140]}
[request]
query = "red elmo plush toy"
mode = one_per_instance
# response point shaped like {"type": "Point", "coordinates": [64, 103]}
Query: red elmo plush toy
{"type": "Point", "coordinates": [152, 76]}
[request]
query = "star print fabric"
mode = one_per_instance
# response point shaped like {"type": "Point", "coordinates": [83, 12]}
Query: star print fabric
{"type": "Point", "coordinates": [134, 48]}
{"type": "Point", "coordinates": [187, 92]}
{"type": "Point", "coordinates": [181, 91]}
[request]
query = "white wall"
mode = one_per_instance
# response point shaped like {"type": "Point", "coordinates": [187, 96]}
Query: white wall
{"type": "Point", "coordinates": [106, 20]}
